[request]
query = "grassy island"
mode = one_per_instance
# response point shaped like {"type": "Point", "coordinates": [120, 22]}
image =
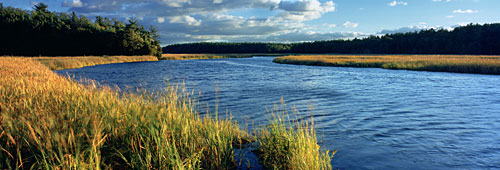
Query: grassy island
{"type": "Point", "coordinates": [50, 122]}
{"type": "Point", "coordinates": [441, 63]}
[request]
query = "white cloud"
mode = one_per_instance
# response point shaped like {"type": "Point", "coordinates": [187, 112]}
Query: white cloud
{"type": "Point", "coordinates": [185, 19]}
{"type": "Point", "coordinates": [450, 16]}
{"type": "Point", "coordinates": [394, 3]}
{"type": "Point", "coordinates": [349, 24]}
{"type": "Point", "coordinates": [307, 5]}
{"type": "Point", "coordinates": [175, 3]}
{"type": "Point", "coordinates": [403, 29]}
{"type": "Point", "coordinates": [462, 24]}
{"type": "Point", "coordinates": [329, 25]}
{"type": "Point", "coordinates": [304, 10]}
{"type": "Point", "coordinates": [74, 3]}
{"type": "Point", "coordinates": [289, 37]}
{"type": "Point", "coordinates": [313, 36]}
{"type": "Point", "coordinates": [441, 0]}
{"type": "Point", "coordinates": [467, 11]}
{"type": "Point", "coordinates": [160, 19]}
{"type": "Point", "coordinates": [413, 28]}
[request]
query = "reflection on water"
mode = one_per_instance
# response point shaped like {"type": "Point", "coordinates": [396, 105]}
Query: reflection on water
{"type": "Point", "coordinates": [376, 118]}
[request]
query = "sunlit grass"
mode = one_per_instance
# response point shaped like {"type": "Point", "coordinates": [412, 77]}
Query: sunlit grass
{"type": "Point", "coordinates": [287, 144]}
{"type": "Point", "coordinates": [442, 63]}
{"type": "Point", "coordinates": [201, 56]}
{"type": "Point", "coordinates": [59, 63]}
{"type": "Point", "coordinates": [50, 122]}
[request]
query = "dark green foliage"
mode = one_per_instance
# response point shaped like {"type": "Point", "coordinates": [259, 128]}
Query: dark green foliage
{"type": "Point", "coordinates": [470, 39]}
{"type": "Point", "coordinates": [220, 47]}
{"type": "Point", "coordinates": [41, 32]}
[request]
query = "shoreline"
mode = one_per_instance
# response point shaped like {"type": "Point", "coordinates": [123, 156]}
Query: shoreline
{"type": "Point", "coordinates": [63, 62]}
{"type": "Point", "coordinates": [74, 62]}
{"type": "Point", "coordinates": [471, 64]}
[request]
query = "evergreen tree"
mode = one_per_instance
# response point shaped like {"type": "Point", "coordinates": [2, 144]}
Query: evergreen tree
{"type": "Point", "coordinates": [41, 32]}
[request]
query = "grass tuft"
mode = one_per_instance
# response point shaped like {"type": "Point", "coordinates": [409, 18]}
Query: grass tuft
{"type": "Point", "coordinates": [287, 144]}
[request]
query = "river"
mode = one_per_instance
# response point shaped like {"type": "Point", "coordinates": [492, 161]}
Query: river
{"type": "Point", "coordinates": [375, 118]}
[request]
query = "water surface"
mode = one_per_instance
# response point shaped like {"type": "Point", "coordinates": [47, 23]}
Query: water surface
{"type": "Point", "coordinates": [375, 118]}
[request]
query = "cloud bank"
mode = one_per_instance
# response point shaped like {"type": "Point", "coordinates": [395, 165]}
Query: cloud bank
{"type": "Point", "coordinates": [414, 28]}
{"type": "Point", "coordinates": [213, 20]}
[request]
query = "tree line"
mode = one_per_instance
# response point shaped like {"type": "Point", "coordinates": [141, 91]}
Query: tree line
{"type": "Point", "coordinates": [469, 39]}
{"type": "Point", "coordinates": [42, 32]}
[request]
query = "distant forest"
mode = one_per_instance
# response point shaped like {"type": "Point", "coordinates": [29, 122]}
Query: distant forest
{"type": "Point", "coordinates": [41, 32]}
{"type": "Point", "coordinates": [469, 39]}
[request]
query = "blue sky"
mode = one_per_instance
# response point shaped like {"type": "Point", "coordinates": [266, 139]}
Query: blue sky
{"type": "Point", "coordinates": [181, 21]}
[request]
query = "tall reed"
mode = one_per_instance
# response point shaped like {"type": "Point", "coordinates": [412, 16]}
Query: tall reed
{"type": "Point", "coordinates": [291, 144]}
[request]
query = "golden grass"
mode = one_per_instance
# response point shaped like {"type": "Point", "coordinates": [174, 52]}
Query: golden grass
{"type": "Point", "coordinates": [287, 144]}
{"type": "Point", "coordinates": [442, 63]}
{"type": "Point", "coordinates": [60, 63]}
{"type": "Point", "coordinates": [201, 56]}
{"type": "Point", "coordinates": [50, 122]}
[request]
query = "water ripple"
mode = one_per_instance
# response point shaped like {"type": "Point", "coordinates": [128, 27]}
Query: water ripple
{"type": "Point", "coordinates": [376, 118]}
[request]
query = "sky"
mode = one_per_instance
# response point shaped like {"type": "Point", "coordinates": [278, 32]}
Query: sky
{"type": "Point", "coordinates": [183, 21]}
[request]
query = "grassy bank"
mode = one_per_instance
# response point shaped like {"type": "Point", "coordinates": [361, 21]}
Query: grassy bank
{"type": "Point", "coordinates": [214, 56]}
{"type": "Point", "coordinates": [441, 63]}
{"type": "Point", "coordinates": [60, 63]}
{"type": "Point", "coordinates": [201, 56]}
{"type": "Point", "coordinates": [50, 122]}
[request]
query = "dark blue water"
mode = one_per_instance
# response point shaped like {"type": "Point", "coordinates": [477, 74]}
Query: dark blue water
{"type": "Point", "coordinates": [375, 118]}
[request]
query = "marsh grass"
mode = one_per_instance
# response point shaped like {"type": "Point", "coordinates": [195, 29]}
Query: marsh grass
{"type": "Point", "coordinates": [441, 63]}
{"type": "Point", "coordinates": [59, 63]}
{"type": "Point", "coordinates": [51, 122]}
{"type": "Point", "coordinates": [291, 144]}
{"type": "Point", "coordinates": [201, 56]}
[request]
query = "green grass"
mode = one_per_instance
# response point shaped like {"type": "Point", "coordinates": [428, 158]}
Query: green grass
{"type": "Point", "coordinates": [50, 122]}
{"type": "Point", "coordinates": [440, 63]}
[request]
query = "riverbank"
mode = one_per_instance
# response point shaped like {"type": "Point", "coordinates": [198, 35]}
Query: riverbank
{"type": "Point", "coordinates": [51, 122]}
{"type": "Point", "coordinates": [61, 63]}
{"type": "Point", "coordinates": [438, 63]}
{"type": "Point", "coordinates": [202, 56]}
{"type": "Point", "coordinates": [215, 56]}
